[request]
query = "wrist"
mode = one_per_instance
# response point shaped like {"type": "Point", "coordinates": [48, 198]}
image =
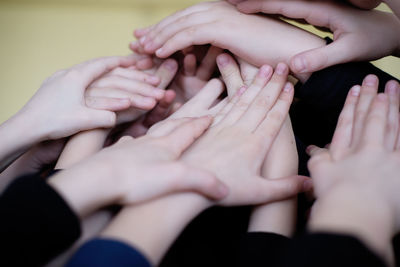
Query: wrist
{"type": "Point", "coordinates": [157, 223]}
{"type": "Point", "coordinates": [86, 187]}
{"type": "Point", "coordinates": [359, 213]}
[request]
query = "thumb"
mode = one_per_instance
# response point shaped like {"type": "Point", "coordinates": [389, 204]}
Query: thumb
{"type": "Point", "coordinates": [280, 189]}
{"type": "Point", "coordinates": [98, 119]}
{"type": "Point", "coordinates": [338, 52]}
{"type": "Point", "coordinates": [203, 182]}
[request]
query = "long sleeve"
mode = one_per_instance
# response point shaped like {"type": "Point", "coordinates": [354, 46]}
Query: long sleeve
{"type": "Point", "coordinates": [36, 223]}
{"type": "Point", "coordinates": [263, 249]}
{"type": "Point", "coordinates": [330, 250]}
{"type": "Point", "coordinates": [105, 253]}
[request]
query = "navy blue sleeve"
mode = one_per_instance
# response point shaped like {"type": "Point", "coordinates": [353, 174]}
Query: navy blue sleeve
{"type": "Point", "coordinates": [36, 223]}
{"type": "Point", "coordinates": [105, 253]}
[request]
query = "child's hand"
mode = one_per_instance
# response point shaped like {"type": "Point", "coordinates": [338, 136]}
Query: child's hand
{"type": "Point", "coordinates": [356, 179]}
{"type": "Point", "coordinates": [192, 77]}
{"type": "Point", "coordinates": [358, 34]}
{"type": "Point", "coordinates": [254, 38]}
{"type": "Point", "coordinates": [247, 126]}
{"type": "Point", "coordinates": [58, 107]}
{"type": "Point", "coordinates": [137, 170]}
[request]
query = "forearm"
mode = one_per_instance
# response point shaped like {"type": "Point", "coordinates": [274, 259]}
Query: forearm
{"type": "Point", "coordinates": [82, 146]}
{"type": "Point", "coordinates": [278, 217]}
{"type": "Point", "coordinates": [17, 135]}
{"type": "Point", "coordinates": [352, 212]}
{"type": "Point", "coordinates": [152, 227]}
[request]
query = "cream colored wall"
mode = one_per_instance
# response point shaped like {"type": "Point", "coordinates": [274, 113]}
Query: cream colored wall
{"type": "Point", "coordinates": [39, 37]}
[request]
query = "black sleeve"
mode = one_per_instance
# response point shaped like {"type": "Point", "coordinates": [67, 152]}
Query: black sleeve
{"type": "Point", "coordinates": [330, 250]}
{"type": "Point", "coordinates": [263, 249]}
{"type": "Point", "coordinates": [322, 98]}
{"type": "Point", "coordinates": [36, 223]}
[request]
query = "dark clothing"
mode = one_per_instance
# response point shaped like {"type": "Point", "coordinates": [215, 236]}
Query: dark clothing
{"type": "Point", "coordinates": [263, 249]}
{"type": "Point", "coordinates": [213, 238]}
{"type": "Point", "coordinates": [36, 223]}
{"type": "Point", "coordinates": [267, 249]}
{"type": "Point", "coordinates": [105, 252]}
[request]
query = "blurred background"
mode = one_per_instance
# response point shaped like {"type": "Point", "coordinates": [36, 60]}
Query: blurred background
{"type": "Point", "coordinates": [39, 37]}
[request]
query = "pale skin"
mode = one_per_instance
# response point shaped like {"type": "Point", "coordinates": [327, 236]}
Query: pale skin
{"type": "Point", "coordinates": [106, 178]}
{"type": "Point", "coordinates": [220, 24]}
{"type": "Point", "coordinates": [125, 90]}
{"type": "Point", "coordinates": [278, 217]}
{"type": "Point", "coordinates": [120, 83]}
{"type": "Point", "coordinates": [358, 34]}
{"type": "Point", "coordinates": [43, 118]}
{"type": "Point", "coordinates": [232, 133]}
{"type": "Point", "coordinates": [356, 180]}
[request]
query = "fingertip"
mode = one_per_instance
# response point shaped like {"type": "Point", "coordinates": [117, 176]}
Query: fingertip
{"type": "Point", "coordinates": [310, 149]}
{"type": "Point", "coordinates": [371, 80]}
{"type": "Point", "coordinates": [223, 60]}
{"type": "Point", "coordinates": [299, 64]}
{"type": "Point", "coordinates": [392, 88]}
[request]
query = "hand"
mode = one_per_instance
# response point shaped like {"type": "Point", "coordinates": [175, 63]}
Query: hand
{"type": "Point", "coordinates": [193, 78]}
{"type": "Point", "coordinates": [358, 34]}
{"type": "Point", "coordinates": [137, 170]}
{"type": "Point", "coordinates": [231, 148]}
{"type": "Point", "coordinates": [253, 38]}
{"type": "Point", "coordinates": [248, 127]}
{"type": "Point", "coordinates": [356, 180]}
{"type": "Point", "coordinates": [58, 109]}
{"type": "Point", "coordinates": [58, 106]}
{"type": "Point", "coordinates": [138, 86]}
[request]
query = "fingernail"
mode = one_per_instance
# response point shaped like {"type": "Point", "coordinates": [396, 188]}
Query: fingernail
{"type": "Point", "coordinates": [392, 88]}
{"type": "Point", "coordinates": [356, 90]}
{"type": "Point", "coordinates": [265, 71]}
{"type": "Point", "coordinates": [300, 65]}
{"type": "Point", "coordinates": [288, 87]}
{"type": "Point", "coordinates": [171, 65]}
{"type": "Point", "coordinates": [159, 93]}
{"type": "Point", "coordinates": [159, 51]}
{"type": "Point", "coordinates": [223, 60]}
{"type": "Point", "coordinates": [142, 40]}
{"type": "Point", "coordinates": [308, 185]}
{"type": "Point", "coordinates": [153, 80]}
{"type": "Point", "coordinates": [281, 69]}
{"type": "Point", "coordinates": [370, 80]}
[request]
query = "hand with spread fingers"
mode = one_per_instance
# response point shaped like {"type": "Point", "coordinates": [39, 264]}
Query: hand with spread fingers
{"type": "Point", "coordinates": [356, 180]}
{"type": "Point", "coordinates": [234, 148]}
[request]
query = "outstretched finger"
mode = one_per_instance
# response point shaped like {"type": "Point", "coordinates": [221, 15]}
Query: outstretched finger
{"type": "Point", "coordinates": [374, 132]}
{"type": "Point", "coordinates": [392, 90]}
{"type": "Point", "coordinates": [341, 140]}
{"type": "Point", "coordinates": [184, 135]}
{"type": "Point", "coordinates": [208, 64]}
{"type": "Point", "coordinates": [230, 73]}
